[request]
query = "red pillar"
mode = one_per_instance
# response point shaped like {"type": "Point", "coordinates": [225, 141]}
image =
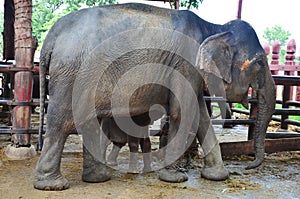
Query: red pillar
{"type": "Point", "coordinates": [23, 79]}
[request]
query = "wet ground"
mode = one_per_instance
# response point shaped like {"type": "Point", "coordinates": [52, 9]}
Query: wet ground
{"type": "Point", "coordinates": [278, 177]}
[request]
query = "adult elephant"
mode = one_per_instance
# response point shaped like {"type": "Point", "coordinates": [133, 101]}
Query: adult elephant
{"type": "Point", "coordinates": [134, 59]}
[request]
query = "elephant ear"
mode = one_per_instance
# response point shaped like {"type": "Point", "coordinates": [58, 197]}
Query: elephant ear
{"type": "Point", "coordinates": [215, 56]}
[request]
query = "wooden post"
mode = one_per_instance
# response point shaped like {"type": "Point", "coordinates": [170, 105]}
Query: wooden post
{"type": "Point", "coordinates": [298, 87]}
{"type": "Point", "coordinates": [275, 55]}
{"type": "Point", "coordinates": [266, 48]}
{"type": "Point", "coordinates": [8, 31]}
{"type": "Point", "coordinates": [290, 61]}
{"type": "Point", "coordinates": [177, 4]}
{"type": "Point", "coordinates": [24, 50]}
{"type": "Point", "coordinates": [239, 11]}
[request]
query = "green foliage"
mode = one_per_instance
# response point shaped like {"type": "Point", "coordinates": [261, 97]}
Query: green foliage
{"type": "Point", "coordinates": [277, 33]}
{"type": "Point", "coordinates": [190, 3]}
{"type": "Point", "coordinates": [47, 12]}
{"type": "Point", "coordinates": [1, 30]}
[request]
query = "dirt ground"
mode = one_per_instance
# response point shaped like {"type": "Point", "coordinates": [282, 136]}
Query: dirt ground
{"type": "Point", "coordinates": [278, 177]}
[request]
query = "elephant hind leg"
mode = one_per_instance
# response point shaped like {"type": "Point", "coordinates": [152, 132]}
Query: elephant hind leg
{"type": "Point", "coordinates": [48, 175]}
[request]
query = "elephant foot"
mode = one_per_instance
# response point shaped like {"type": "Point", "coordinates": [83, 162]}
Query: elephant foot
{"type": "Point", "coordinates": [147, 169]}
{"type": "Point", "coordinates": [172, 175]}
{"type": "Point", "coordinates": [56, 184]}
{"type": "Point", "coordinates": [96, 173]}
{"type": "Point", "coordinates": [133, 163]}
{"type": "Point", "coordinates": [112, 163]}
{"type": "Point", "coordinates": [158, 156]}
{"type": "Point", "coordinates": [214, 168]}
{"type": "Point", "coordinates": [215, 173]}
{"type": "Point", "coordinates": [133, 168]}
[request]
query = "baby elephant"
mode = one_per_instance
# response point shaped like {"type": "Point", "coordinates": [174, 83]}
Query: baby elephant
{"type": "Point", "coordinates": [119, 139]}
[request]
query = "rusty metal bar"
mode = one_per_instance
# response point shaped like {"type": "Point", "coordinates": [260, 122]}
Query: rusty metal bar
{"type": "Point", "coordinates": [11, 68]}
{"type": "Point", "coordinates": [278, 111]}
{"type": "Point", "coordinates": [292, 103]}
{"type": "Point", "coordinates": [237, 110]}
{"type": "Point", "coordinates": [9, 130]}
{"type": "Point", "coordinates": [292, 122]}
{"type": "Point", "coordinates": [232, 121]}
{"type": "Point", "coordinates": [9, 102]}
{"type": "Point", "coordinates": [277, 135]}
{"type": "Point", "coordinates": [271, 146]}
{"type": "Point", "coordinates": [286, 80]}
{"type": "Point", "coordinates": [285, 97]}
{"type": "Point", "coordinates": [287, 111]}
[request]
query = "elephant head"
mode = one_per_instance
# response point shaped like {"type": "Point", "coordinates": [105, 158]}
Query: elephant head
{"type": "Point", "coordinates": [235, 60]}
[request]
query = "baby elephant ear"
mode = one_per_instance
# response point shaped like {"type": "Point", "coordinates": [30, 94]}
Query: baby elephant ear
{"type": "Point", "coordinates": [215, 56]}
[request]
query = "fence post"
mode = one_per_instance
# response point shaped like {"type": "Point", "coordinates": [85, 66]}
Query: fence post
{"type": "Point", "coordinates": [287, 92]}
{"type": "Point", "coordinates": [275, 56]}
{"type": "Point", "coordinates": [298, 87]}
{"type": "Point", "coordinates": [24, 50]}
{"type": "Point", "coordinates": [290, 61]}
{"type": "Point", "coordinates": [266, 48]}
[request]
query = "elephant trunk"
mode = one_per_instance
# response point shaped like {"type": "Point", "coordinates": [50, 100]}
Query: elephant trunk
{"type": "Point", "coordinates": [266, 95]}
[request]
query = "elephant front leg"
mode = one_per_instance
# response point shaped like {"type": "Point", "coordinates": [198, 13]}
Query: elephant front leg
{"type": "Point", "coordinates": [94, 170]}
{"type": "Point", "coordinates": [214, 167]}
{"type": "Point", "coordinates": [175, 148]}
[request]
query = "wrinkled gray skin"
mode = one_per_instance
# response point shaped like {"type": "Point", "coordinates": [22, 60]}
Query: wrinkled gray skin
{"type": "Point", "coordinates": [119, 139]}
{"type": "Point", "coordinates": [229, 54]}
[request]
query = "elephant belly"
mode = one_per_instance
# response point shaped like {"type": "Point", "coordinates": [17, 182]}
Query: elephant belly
{"type": "Point", "coordinates": [147, 98]}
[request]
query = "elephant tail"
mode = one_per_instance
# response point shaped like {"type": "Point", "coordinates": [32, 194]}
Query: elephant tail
{"type": "Point", "coordinates": [44, 65]}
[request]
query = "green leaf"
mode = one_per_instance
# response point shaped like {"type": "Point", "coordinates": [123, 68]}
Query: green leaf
{"type": "Point", "coordinates": [47, 12]}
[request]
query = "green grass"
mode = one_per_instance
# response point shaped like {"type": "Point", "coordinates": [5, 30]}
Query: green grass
{"type": "Point", "coordinates": [294, 117]}
{"type": "Point", "coordinates": [291, 117]}
{"type": "Point", "coordinates": [239, 106]}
